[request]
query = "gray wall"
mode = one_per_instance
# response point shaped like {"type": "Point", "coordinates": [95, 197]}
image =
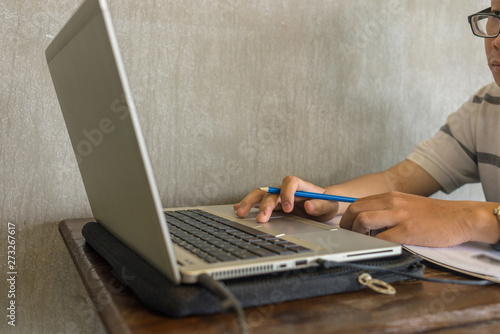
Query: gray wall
{"type": "Point", "coordinates": [232, 94]}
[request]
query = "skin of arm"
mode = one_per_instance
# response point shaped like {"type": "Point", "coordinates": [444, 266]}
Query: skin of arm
{"type": "Point", "coordinates": [393, 200]}
{"type": "Point", "coordinates": [406, 176]}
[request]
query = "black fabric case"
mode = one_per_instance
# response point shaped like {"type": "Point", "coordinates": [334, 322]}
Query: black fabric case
{"type": "Point", "coordinates": [159, 294]}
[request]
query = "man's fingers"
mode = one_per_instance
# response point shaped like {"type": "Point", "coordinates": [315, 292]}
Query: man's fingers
{"type": "Point", "coordinates": [351, 214]}
{"type": "Point", "coordinates": [398, 234]}
{"type": "Point", "coordinates": [322, 210]}
{"type": "Point", "coordinates": [366, 221]}
{"type": "Point", "coordinates": [269, 203]}
{"type": "Point", "coordinates": [289, 186]}
{"type": "Point", "coordinates": [362, 212]}
{"type": "Point", "coordinates": [250, 201]}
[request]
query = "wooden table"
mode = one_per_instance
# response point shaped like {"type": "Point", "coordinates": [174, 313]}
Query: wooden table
{"type": "Point", "coordinates": [417, 306]}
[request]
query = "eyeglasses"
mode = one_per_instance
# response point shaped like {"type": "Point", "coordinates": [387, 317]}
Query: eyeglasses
{"type": "Point", "coordinates": [486, 23]}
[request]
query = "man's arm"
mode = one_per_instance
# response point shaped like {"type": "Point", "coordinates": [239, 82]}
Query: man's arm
{"type": "Point", "coordinates": [387, 200]}
{"type": "Point", "coordinates": [406, 177]}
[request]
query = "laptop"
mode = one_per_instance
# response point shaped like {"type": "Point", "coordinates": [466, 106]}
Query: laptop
{"type": "Point", "coordinates": [97, 105]}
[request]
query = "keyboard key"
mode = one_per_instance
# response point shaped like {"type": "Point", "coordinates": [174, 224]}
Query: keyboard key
{"type": "Point", "coordinates": [276, 240]}
{"type": "Point", "coordinates": [227, 257]}
{"type": "Point", "coordinates": [277, 249]}
{"type": "Point", "coordinates": [261, 252]}
{"type": "Point", "coordinates": [246, 255]}
{"type": "Point", "coordinates": [234, 232]}
{"type": "Point", "coordinates": [299, 249]}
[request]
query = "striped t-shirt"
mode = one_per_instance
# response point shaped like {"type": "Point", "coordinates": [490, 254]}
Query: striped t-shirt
{"type": "Point", "coordinates": [467, 148]}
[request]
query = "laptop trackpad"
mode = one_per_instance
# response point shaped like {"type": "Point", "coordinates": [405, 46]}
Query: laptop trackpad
{"type": "Point", "coordinates": [292, 227]}
{"type": "Point", "coordinates": [323, 238]}
{"type": "Point", "coordinates": [283, 224]}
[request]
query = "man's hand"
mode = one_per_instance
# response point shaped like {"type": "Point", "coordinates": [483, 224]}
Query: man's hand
{"type": "Point", "coordinates": [416, 220]}
{"type": "Point", "coordinates": [314, 209]}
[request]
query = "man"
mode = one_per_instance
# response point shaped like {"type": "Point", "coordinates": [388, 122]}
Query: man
{"type": "Point", "coordinates": [466, 149]}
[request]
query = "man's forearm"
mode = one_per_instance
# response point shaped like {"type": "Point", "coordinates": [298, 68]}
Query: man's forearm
{"type": "Point", "coordinates": [405, 177]}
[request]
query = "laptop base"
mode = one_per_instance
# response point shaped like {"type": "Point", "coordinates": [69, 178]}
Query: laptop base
{"type": "Point", "coordinates": [159, 294]}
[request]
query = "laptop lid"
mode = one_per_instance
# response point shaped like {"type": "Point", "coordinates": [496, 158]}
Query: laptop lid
{"type": "Point", "coordinates": [96, 101]}
{"type": "Point", "coordinates": [99, 112]}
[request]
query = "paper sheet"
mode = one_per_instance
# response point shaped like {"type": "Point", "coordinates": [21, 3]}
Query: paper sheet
{"type": "Point", "coordinates": [474, 258]}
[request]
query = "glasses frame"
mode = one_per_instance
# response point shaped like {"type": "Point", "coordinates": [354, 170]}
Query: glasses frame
{"type": "Point", "coordinates": [484, 12]}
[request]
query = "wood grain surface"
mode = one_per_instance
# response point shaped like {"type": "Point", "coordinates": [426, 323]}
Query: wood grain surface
{"type": "Point", "coordinates": [416, 307]}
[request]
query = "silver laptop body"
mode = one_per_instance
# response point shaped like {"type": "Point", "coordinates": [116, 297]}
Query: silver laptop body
{"type": "Point", "coordinates": [99, 112]}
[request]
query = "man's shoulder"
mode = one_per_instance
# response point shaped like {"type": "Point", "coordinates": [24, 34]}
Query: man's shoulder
{"type": "Point", "coordinates": [484, 101]}
{"type": "Point", "coordinates": [489, 93]}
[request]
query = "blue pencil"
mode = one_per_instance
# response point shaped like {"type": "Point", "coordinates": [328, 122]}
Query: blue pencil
{"type": "Point", "coordinates": [306, 194]}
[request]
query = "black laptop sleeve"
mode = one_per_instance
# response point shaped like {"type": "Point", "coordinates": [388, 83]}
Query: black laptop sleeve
{"type": "Point", "coordinates": [159, 294]}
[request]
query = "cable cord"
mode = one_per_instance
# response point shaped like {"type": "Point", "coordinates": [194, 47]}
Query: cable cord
{"type": "Point", "coordinates": [228, 301]}
{"type": "Point", "coordinates": [332, 264]}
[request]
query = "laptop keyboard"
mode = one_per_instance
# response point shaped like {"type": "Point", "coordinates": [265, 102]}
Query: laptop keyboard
{"type": "Point", "coordinates": [215, 239]}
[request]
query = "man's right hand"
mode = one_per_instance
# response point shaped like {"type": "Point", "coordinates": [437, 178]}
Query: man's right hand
{"type": "Point", "coordinates": [319, 210]}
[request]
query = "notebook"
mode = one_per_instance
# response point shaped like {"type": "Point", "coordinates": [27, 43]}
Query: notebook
{"type": "Point", "coordinates": [97, 105]}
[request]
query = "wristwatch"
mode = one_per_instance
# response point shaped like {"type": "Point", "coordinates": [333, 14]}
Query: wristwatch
{"type": "Point", "coordinates": [496, 212]}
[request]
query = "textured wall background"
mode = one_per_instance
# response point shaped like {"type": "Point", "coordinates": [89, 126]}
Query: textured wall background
{"type": "Point", "coordinates": [232, 94]}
